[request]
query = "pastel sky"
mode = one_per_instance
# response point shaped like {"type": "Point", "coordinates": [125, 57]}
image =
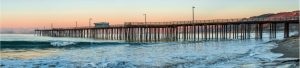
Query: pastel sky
{"type": "Point", "coordinates": [30, 14]}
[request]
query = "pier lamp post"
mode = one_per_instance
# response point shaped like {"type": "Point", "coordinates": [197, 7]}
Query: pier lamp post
{"type": "Point", "coordinates": [145, 18]}
{"type": "Point", "coordinates": [76, 24]}
{"type": "Point", "coordinates": [193, 10]}
{"type": "Point", "coordinates": [90, 22]}
{"type": "Point", "coordinates": [51, 25]}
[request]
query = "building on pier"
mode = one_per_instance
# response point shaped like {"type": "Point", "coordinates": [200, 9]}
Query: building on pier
{"type": "Point", "coordinates": [101, 24]}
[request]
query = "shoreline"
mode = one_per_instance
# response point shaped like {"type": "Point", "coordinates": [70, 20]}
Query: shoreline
{"type": "Point", "coordinates": [289, 47]}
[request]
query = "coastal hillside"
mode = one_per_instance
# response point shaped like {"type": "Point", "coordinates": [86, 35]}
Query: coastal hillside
{"type": "Point", "coordinates": [277, 15]}
{"type": "Point", "coordinates": [280, 14]}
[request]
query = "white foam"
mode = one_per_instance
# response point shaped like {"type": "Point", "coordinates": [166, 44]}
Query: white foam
{"type": "Point", "coordinates": [61, 43]}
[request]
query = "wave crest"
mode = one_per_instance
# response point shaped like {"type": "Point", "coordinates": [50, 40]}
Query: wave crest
{"type": "Point", "coordinates": [59, 43]}
{"type": "Point", "coordinates": [62, 43]}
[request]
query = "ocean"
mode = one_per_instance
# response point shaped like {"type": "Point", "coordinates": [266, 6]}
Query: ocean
{"type": "Point", "coordinates": [29, 51]}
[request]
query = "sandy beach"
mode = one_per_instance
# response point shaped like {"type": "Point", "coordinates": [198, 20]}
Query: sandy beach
{"type": "Point", "coordinates": [26, 54]}
{"type": "Point", "coordinates": [290, 49]}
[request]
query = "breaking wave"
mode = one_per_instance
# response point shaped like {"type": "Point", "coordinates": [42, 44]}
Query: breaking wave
{"type": "Point", "coordinates": [57, 43]}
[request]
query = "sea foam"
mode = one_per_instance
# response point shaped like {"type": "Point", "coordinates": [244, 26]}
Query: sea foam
{"type": "Point", "coordinates": [62, 43]}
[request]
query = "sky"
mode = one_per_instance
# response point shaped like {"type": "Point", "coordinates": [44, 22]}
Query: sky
{"type": "Point", "coordinates": [32, 14]}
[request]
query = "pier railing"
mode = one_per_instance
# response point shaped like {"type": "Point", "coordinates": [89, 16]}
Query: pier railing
{"type": "Point", "coordinates": [239, 20]}
{"type": "Point", "coordinates": [83, 27]}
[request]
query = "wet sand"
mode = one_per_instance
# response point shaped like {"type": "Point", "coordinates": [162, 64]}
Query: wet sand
{"type": "Point", "coordinates": [289, 47]}
{"type": "Point", "coordinates": [26, 54]}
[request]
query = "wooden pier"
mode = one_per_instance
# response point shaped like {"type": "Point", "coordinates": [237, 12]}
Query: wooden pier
{"type": "Point", "coordinates": [198, 30]}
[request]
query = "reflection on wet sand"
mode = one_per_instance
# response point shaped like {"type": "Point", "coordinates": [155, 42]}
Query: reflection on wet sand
{"type": "Point", "coordinates": [27, 53]}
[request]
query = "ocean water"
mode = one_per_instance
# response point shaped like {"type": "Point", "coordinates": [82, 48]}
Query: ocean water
{"type": "Point", "coordinates": [28, 51]}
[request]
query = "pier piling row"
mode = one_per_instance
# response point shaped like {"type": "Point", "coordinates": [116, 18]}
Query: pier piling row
{"type": "Point", "coordinates": [199, 30]}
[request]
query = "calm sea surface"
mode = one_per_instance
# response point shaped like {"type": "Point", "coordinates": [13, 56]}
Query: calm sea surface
{"type": "Point", "coordinates": [27, 50]}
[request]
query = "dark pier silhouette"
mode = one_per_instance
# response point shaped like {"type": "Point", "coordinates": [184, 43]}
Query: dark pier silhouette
{"type": "Point", "coordinates": [196, 30]}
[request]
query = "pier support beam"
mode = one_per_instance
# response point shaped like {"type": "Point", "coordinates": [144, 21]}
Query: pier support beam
{"type": "Point", "coordinates": [286, 30]}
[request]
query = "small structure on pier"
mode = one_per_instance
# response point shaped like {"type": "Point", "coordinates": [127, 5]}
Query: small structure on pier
{"type": "Point", "coordinates": [101, 24]}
